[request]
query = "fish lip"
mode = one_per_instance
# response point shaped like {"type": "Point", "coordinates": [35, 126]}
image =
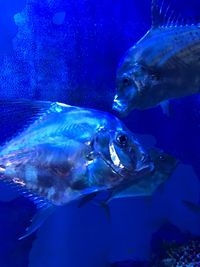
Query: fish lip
{"type": "Point", "coordinates": [120, 108]}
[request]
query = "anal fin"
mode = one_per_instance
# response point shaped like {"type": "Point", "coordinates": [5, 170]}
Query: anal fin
{"type": "Point", "coordinates": [44, 207]}
{"type": "Point", "coordinates": [38, 219]}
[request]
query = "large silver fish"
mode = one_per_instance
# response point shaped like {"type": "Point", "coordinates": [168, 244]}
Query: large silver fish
{"type": "Point", "coordinates": [162, 65]}
{"type": "Point", "coordinates": [63, 153]}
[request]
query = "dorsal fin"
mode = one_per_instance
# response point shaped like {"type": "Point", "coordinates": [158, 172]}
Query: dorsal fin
{"type": "Point", "coordinates": [16, 115]}
{"type": "Point", "coordinates": [163, 15]}
{"type": "Point", "coordinates": [157, 18]}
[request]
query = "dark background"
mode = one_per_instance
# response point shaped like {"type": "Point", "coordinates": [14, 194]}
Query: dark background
{"type": "Point", "coordinates": [68, 51]}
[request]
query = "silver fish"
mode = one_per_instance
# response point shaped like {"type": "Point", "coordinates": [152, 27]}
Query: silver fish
{"type": "Point", "coordinates": [162, 65]}
{"type": "Point", "coordinates": [64, 153]}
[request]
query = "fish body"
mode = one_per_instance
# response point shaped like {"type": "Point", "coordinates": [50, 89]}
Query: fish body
{"type": "Point", "coordinates": [163, 65]}
{"type": "Point", "coordinates": [66, 152]}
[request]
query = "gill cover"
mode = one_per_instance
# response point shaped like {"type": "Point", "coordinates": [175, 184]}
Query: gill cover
{"type": "Point", "coordinates": [122, 152]}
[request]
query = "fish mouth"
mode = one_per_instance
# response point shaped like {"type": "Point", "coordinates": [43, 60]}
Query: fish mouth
{"type": "Point", "coordinates": [120, 107]}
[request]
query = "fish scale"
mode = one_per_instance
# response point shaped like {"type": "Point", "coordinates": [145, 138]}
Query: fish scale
{"type": "Point", "coordinates": [182, 45]}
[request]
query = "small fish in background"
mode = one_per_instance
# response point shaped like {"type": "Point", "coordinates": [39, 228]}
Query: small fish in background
{"type": "Point", "coordinates": [162, 65]}
{"type": "Point", "coordinates": [63, 153]}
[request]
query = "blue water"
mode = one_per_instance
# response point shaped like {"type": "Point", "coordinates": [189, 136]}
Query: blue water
{"type": "Point", "coordinates": [68, 51]}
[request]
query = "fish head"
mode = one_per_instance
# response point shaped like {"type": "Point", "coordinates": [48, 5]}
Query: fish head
{"type": "Point", "coordinates": [117, 157]}
{"type": "Point", "coordinates": [137, 84]}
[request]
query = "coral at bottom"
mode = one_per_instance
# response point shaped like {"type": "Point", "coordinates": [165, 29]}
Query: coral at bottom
{"type": "Point", "coordinates": [173, 255]}
{"type": "Point", "coordinates": [186, 255]}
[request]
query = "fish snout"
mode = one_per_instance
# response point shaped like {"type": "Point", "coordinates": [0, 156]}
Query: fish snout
{"type": "Point", "coordinates": [120, 106]}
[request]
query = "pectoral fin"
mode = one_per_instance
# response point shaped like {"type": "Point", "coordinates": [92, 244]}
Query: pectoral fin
{"type": "Point", "coordinates": [106, 208]}
{"type": "Point", "coordinates": [86, 199]}
{"type": "Point", "coordinates": [101, 202]}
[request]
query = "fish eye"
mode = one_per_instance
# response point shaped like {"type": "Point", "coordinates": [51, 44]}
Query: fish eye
{"type": "Point", "coordinates": [155, 77]}
{"type": "Point", "coordinates": [162, 157]}
{"type": "Point", "coordinates": [122, 139]}
{"type": "Point", "coordinates": [126, 81]}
